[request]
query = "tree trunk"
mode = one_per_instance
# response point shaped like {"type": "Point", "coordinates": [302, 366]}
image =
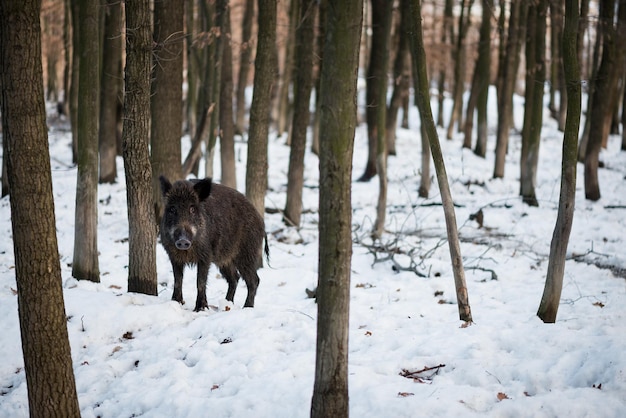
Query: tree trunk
{"type": "Point", "coordinates": [459, 59]}
{"type": "Point", "coordinates": [111, 90]}
{"type": "Point", "coordinates": [401, 83]}
{"type": "Point", "coordinates": [533, 109]}
{"type": "Point", "coordinates": [167, 96]}
{"type": "Point", "coordinates": [338, 122]}
{"type": "Point", "coordinates": [557, 75]}
{"type": "Point", "coordinates": [480, 85]}
{"type": "Point", "coordinates": [422, 99]}
{"type": "Point", "coordinates": [447, 36]}
{"type": "Point", "coordinates": [227, 124]}
{"type": "Point", "coordinates": [41, 309]}
{"type": "Point", "coordinates": [560, 238]}
{"type": "Point", "coordinates": [507, 73]}
{"type": "Point", "coordinates": [264, 72]}
{"type": "Point", "coordinates": [85, 262]}
{"type": "Point", "coordinates": [304, 79]}
{"type": "Point", "coordinates": [245, 59]}
{"type": "Point", "coordinates": [606, 91]}
{"type": "Point", "coordinates": [74, 79]}
{"type": "Point", "coordinates": [376, 75]}
{"type": "Point", "coordinates": [284, 101]}
{"type": "Point", "coordinates": [319, 49]}
{"type": "Point", "coordinates": [386, 10]}
{"type": "Point", "coordinates": [142, 276]}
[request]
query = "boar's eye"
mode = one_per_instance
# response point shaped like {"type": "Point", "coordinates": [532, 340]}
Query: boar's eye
{"type": "Point", "coordinates": [192, 210]}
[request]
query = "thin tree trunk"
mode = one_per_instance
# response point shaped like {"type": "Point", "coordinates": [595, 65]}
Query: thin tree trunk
{"type": "Point", "coordinates": [401, 82]}
{"type": "Point", "coordinates": [245, 59]}
{"type": "Point", "coordinates": [459, 59]}
{"type": "Point", "coordinates": [264, 72]}
{"type": "Point", "coordinates": [533, 110]}
{"type": "Point", "coordinates": [301, 115]}
{"type": "Point", "coordinates": [381, 114]}
{"type": "Point", "coordinates": [167, 94]}
{"type": "Point", "coordinates": [560, 238]}
{"type": "Point", "coordinates": [85, 261]}
{"type": "Point", "coordinates": [447, 37]}
{"type": "Point", "coordinates": [338, 122]}
{"type": "Point", "coordinates": [480, 85]}
{"type": "Point", "coordinates": [111, 90]}
{"type": "Point", "coordinates": [284, 102]}
{"type": "Point", "coordinates": [422, 98]}
{"type": "Point", "coordinates": [227, 124]}
{"type": "Point", "coordinates": [605, 94]}
{"type": "Point", "coordinates": [142, 276]}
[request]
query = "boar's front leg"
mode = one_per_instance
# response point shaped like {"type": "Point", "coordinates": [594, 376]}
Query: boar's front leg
{"type": "Point", "coordinates": [203, 272]}
{"type": "Point", "coordinates": [178, 282]}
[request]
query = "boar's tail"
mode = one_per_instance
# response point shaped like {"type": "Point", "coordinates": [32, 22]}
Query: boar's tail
{"type": "Point", "coordinates": [267, 251]}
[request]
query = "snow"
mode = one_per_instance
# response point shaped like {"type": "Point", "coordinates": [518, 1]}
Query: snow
{"type": "Point", "coordinates": [137, 355]}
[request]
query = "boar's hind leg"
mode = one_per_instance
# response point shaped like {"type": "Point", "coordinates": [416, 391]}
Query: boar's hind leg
{"type": "Point", "coordinates": [232, 277]}
{"type": "Point", "coordinates": [252, 281]}
{"type": "Point", "coordinates": [203, 272]}
{"type": "Point", "coordinates": [178, 282]}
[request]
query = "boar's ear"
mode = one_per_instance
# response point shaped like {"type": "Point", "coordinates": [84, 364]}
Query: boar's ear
{"type": "Point", "coordinates": [203, 188]}
{"type": "Point", "coordinates": [165, 184]}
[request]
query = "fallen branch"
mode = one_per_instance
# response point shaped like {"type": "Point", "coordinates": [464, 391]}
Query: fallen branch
{"type": "Point", "coordinates": [415, 375]}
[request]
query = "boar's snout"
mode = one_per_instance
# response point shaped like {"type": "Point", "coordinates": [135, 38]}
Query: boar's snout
{"type": "Point", "coordinates": [183, 244]}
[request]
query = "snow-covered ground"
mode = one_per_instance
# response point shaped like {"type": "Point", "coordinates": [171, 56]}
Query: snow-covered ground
{"type": "Point", "coordinates": [137, 355]}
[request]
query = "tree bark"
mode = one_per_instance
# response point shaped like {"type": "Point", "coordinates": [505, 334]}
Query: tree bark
{"type": "Point", "coordinates": [338, 122]}
{"type": "Point", "coordinates": [480, 86]}
{"type": "Point", "coordinates": [85, 262]}
{"type": "Point", "coordinates": [301, 115]}
{"type": "Point", "coordinates": [606, 90]}
{"type": "Point", "coordinates": [560, 238]}
{"type": "Point", "coordinates": [41, 309]}
{"type": "Point", "coordinates": [386, 9]}
{"type": "Point", "coordinates": [533, 109]}
{"type": "Point", "coordinates": [507, 73]}
{"type": "Point", "coordinates": [422, 99]}
{"type": "Point", "coordinates": [111, 91]}
{"type": "Point", "coordinates": [264, 72]}
{"type": "Point", "coordinates": [166, 96]}
{"type": "Point", "coordinates": [401, 83]}
{"type": "Point", "coordinates": [142, 276]}
{"type": "Point", "coordinates": [245, 59]}
{"type": "Point", "coordinates": [459, 60]}
{"type": "Point", "coordinates": [227, 124]}
{"type": "Point", "coordinates": [284, 105]}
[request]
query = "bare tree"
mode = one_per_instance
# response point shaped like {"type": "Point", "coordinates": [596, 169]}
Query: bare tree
{"type": "Point", "coordinates": [560, 238]}
{"type": "Point", "coordinates": [245, 59]}
{"type": "Point", "coordinates": [385, 9]}
{"type": "Point", "coordinates": [142, 276]}
{"type": "Point", "coordinates": [227, 123]}
{"type": "Point", "coordinates": [459, 58]}
{"type": "Point", "coordinates": [480, 86]}
{"type": "Point", "coordinates": [303, 84]}
{"type": "Point", "coordinates": [111, 91]}
{"type": "Point", "coordinates": [167, 95]}
{"type": "Point", "coordinates": [507, 74]}
{"type": "Point", "coordinates": [338, 121]}
{"type": "Point", "coordinates": [264, 71]}
{"type": "Point", "coordinates": [422, 99]}
{"type": "Point", "coordinates": [376, 75]}
{"type": "Point", "coordinates": [606, 92]}
{"type": "Point", "coordinates": [85, 262]}
{"type": "Point", "coordinates": [533, 108]}
{"type": "Point", "coordinates": [45, 343]}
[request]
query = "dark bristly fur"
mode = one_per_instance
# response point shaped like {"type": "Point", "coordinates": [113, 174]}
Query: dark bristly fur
{"type": "Point", "coordinates": [206, 223]}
